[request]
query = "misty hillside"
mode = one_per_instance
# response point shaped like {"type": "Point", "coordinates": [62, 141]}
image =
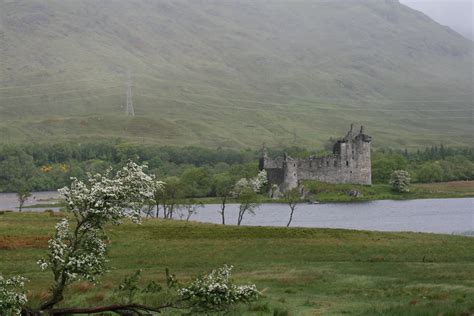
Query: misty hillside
{"type": "Point", "coordinates": [232, 73]}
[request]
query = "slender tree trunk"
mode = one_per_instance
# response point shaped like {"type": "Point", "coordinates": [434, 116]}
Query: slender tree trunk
{"type": "Point", "coordinates": [291, 216]}
{"type": "Point", "coordinates": [223, 209]}
{"type": "Point", "coordinates": [22, 202]}
{"type": "Point", "coordinates": [165, 210]}
{"type": "Point", "coordinates": [241, 216]}
{"type": "Point", "coordinates": [157, 209]}
{"type": "Point", "coordinates": [189, 216]}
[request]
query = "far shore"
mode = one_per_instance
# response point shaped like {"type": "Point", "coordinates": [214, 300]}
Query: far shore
{"type": "Point", "coordinates": [328, 193]}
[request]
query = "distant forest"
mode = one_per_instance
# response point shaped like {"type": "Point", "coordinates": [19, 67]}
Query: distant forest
{"type": "Point", "coordinates": [43, 167]}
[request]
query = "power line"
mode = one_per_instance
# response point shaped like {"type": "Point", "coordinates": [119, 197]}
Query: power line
{"type": "Point", "coordinates": [56, 93]}
{"type": "Point", "coordinates": [286, 104]}
{"type": "Point", "coordinates": [52, 83]}
{"type": "Point", "coordinates": [384, 100]}
{"type": "Point", "coordinates": [309, 100]}
{"type": "Point", "coordinates": [70, 99]}
{"type": "Point", "coordinates": [448, 117]}
{"type": "Point", "coordinates": [253, 109]}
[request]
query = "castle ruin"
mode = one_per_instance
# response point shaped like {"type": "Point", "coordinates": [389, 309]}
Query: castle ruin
{"type": "Point", "coordinates": [349, 163]}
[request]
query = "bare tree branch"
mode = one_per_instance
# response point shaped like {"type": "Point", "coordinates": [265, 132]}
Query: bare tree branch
{"type": "Point", "coordinates": [129, 309]}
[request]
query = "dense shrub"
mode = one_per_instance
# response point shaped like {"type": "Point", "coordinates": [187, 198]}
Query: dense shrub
{"type": "Point", "coordinates": [400, 181]}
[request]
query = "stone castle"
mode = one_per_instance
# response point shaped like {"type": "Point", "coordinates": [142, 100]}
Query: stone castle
{"type": "Point", "coordinates": [349, 163]}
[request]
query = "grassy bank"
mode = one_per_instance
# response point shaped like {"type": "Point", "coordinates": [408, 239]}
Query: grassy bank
{"type": "Point", "coordinates": [325, 192]}
{"type": "Point", "coordinates": [301, 271]}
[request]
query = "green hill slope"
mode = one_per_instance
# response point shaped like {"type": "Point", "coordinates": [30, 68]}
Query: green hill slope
{"type": "Point", "coordinates": [232, 73]}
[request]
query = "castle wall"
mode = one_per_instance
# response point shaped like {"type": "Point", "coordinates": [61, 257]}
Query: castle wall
{"type": "Point", "coordinates": [351, 166]}
{"type": "Point", "coordinates": [275, 175]}
{"type": "Point", "coordinates": [349, 163]}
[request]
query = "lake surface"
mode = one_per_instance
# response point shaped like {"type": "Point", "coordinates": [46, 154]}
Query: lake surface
{"type": "Point", "coordinates": [446, 216]}
{"type": "Point", "coordinates": [9, 201]}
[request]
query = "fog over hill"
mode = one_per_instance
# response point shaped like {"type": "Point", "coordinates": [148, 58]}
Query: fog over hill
{"type": "Point", "coordinates": [456, 14]}
{"type": "Point", "coordinates": [232, 73]}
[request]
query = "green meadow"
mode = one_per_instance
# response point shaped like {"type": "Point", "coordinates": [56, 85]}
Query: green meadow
{"type": "Point", "coordinates": [299, 271]}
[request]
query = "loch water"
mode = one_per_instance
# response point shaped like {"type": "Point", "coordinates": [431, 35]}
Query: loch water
{"type": "Point", "coordinates": [445, 216]}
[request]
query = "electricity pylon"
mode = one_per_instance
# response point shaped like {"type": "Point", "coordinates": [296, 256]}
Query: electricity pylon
{"type": "Point", "coordinates": [129, 106]}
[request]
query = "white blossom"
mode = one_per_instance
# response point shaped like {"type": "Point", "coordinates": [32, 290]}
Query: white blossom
{"type": "Point", "coordinates": [400, 181]}
{"type": "Point", "coordinates": [12, 295]}
{"type": "Point", "coordinates": [217, 291]}
{"type": "Point", "coordinates": [253, 184]}
{"type": "Point", "coordinates": [111, 198]}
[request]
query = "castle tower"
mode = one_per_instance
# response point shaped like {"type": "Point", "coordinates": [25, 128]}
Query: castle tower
{"type": "Point", "coordinates": [362, 158]}
{"type": "Point", "coordinates": [290, 174]}
{"type": "Point", "coordinates": [263, 158]}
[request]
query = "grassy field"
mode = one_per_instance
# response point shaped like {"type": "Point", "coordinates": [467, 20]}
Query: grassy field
{"type": "Point", "coordinates": [300, 271]}
{"type": "Point", "coordinates": [458, 187]}
{"type": "Point", "coordinates": [325, 192]}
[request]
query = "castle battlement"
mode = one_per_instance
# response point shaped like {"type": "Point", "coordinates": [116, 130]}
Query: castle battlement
{"type": "Point", "coordinates": [349, 163]}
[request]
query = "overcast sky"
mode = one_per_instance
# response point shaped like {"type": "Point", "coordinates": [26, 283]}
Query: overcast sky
{"type": "Point", "coordinates": [457, 14]}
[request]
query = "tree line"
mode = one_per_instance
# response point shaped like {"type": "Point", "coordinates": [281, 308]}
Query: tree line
{"type": "Point", "coordinates": [201, 172]}
{"type": "Point", "coordinates": [432, 164]}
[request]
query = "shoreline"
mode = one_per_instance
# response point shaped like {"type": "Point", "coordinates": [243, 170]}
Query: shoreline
{"type": "Point", "coordinates": [320, 193]}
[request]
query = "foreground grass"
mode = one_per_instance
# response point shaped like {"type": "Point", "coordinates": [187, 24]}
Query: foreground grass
{"type": "Point", "coordinates": [301, 271]}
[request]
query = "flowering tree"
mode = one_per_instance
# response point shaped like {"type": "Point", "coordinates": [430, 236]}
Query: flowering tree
{"type": "Point", "coordinates": [245, 190]}
{"type": "Point", "coordinates": [12, 295]}
{"type": "Point", "coordinates": [400, 181]}
{"type": "Point", "coordinates": [78, 250]}
{"type": "Point", "coordinates": [216, 291]}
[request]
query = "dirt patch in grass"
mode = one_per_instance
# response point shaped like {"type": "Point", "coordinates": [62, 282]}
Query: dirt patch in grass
{"type": "Point", "coordinates": [18, 242]}
{"type": "Point", "coordinates": [83, 287]}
